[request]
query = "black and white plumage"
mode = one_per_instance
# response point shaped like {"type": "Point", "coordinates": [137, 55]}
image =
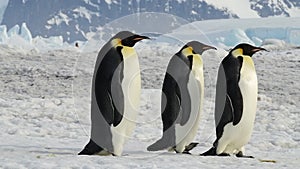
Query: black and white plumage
{"type": "Point", "coordinates": [115, 95]}
{"type": "Point", "coordinates": [236, 100]}
{"type": "Point", "coordinates": [182, 97]}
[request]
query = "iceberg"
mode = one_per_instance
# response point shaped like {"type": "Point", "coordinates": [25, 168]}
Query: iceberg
{"type": "Point", "coordinates": [25, 33]}
{"type": "Point", "coordinates": [3, 33]}
{"type": "Point", "coordinates": [13, 31]}
{"type": "Point", "coordinates": [236, 36]}
{"type": "Point", "coordinates": [54, 42]}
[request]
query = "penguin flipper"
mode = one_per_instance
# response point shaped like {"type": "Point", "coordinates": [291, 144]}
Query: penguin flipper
{"type": "Point", "coordinates": [118, 104]}
{"type": "Point", "coordinates": [111, 104]}
{"type": "Point", "coordinates": [90, 149]}
{"type": "Point", "coordinates": [229, 101]}
{"type": "Point", "coordinates": [184, 100]}
{"type": "Point", "coordinates": [110, 71]}
{"type": "Point", "coordinates": [177, 102]}
{"type": "Point", "coordinates": [170, 103]}
{"type": "Point", "coordinates": [228, 92]}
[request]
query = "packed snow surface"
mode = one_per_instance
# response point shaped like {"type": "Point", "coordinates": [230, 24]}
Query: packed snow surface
{"type": "Point", "coordinates": [45, 100]}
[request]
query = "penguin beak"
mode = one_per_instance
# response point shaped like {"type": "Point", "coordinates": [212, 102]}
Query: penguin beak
{"type": "Point", "coordinates": [139, 37]}
{"type": "Point", "coordinates": [258, 49]}
{"type": "Point", "coordinates": [208, 47]}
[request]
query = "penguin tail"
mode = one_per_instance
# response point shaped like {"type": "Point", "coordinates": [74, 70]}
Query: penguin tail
{"type": "Point", "coordinates": [211, 152]}
{"type": "Point", "coordinates": [91, 148]}
{"type": "Point", "coordinates": [160, 144]}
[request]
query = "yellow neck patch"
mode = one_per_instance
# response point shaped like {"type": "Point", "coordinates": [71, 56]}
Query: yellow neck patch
{"type": "Point", "coordinates": [237, 52]}
{"type": "Point", "coordinates": [197, 60]}
{"type": "Point", "coordinates": [248, 61]}
{"type": "Point", "coordinates": [128, 52]}
{"type": "Point", "coordinates": [187, 51]}
{"type": "Point", "coordinates": [116, 42]}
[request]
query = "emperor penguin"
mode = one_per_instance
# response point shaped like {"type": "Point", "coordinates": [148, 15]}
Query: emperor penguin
{"type": "Point", "coordinates": [182, 99]}
{"type": "Point", "coordinates": [116, 88]}
{"type": "Point", "coordinates": [236, 100]}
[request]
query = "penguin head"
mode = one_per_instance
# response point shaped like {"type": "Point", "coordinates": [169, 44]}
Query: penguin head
{"type": "Point", "coordinates": [191, 53]}
{"type": "Point", "coordinates": [126, 38]}
{"type": "Point", "coordinates": [245, 49]}
{"type": "Point", "coordinates": [195, 47]}
{"type": "Point", "coordinates": [198, 47]}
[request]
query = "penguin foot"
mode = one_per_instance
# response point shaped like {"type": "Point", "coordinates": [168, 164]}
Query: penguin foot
{"type": "Point", "coordinates": [211, 152]}
{"type": "Point", "coordinates": [223, 155]}
{"type": "Point", "coordinates": [184, 152]}
{"type": "Point", "coordinates": [91, 148]}
{"type": "Point", "coordinates": [241, 155]}
{"type": "Point", "coordinates": [190, 147]}
{"type": "Point", "coordinates": [174, 149]}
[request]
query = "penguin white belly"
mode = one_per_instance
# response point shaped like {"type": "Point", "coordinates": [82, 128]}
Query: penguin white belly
{"type": "Point", "coordinates": [235, 137]}
{"type": "Point", "coordinates": [131, 86]}
{"type": "Point", "coordinates": [185, 134]}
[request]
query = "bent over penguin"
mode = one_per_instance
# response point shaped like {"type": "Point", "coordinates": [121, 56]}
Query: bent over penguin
{"type": "Point", "coordinates": [182, 97]}
{"type": "Point", "coordinates": [115, 95]}
{"type": "Point", "coordinates": [236, 100]}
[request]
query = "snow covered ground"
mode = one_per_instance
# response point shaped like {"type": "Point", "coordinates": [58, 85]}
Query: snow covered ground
{"type": "Point", "coordinates": [45, 110]}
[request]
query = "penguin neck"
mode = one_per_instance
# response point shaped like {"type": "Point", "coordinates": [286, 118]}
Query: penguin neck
{"type": "Point", "coordinates": [249, 62]}
{"type": "Point", "coordinates": [195, 61]}
{"type": "Point", "coordinates": [236, 52]}
{"type": "Point", "coordinates": [128, 52]}
{"type": "Point", "coordinates": [125, 51]}
{"type": "Point", "coordinates": [239, 53]}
